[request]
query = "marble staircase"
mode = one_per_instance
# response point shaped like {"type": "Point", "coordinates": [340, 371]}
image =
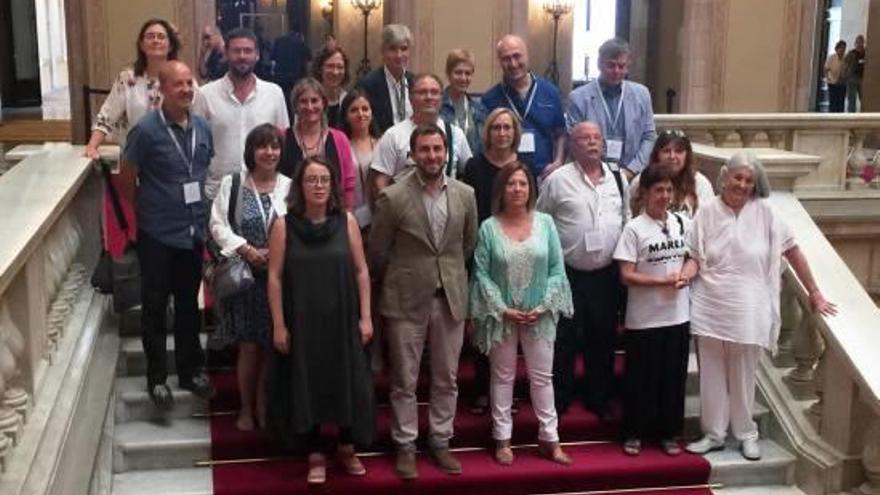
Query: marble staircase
{"type": "Point", "coordinates": [156, 453]}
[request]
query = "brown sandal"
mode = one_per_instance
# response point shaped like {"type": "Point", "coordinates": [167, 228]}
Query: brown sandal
{"type": "Point", "coordinates": [349, 461]}
{"type": "Point", "coordinates": [503, 453]}
{"type": "Point", "coordinates": [553, 452]}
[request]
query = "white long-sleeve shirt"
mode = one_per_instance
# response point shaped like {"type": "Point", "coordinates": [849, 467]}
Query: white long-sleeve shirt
{"type": "Point", "coordinates": [221, 231]}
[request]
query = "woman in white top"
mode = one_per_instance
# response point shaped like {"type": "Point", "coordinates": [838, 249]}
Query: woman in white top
{"type": "Point", "coordinates": [736, 245]}
{"type": "Point", "coordinates": [651, 252]}
{"type": "Point", "coordinates": [260, 198]}
{"type": "Point", "coordinates": [134, 93]}
{"type": "Point", "coordinates": [136, 89]}
{"type": "Point", "coordinates": [690, 188]}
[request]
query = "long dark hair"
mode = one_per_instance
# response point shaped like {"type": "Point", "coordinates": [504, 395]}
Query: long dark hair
{"type": "Point", "coordinates": [350, 97]}
{"type": "Point", "coordinates": [684, 184]}
{"type": "Point", "coordinates": [296, 201]}
{"type": "Point", "coordinates": [140, 64]}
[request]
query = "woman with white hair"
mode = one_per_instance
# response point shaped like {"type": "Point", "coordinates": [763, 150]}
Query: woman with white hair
{"type": "Point", "coordinates": [736, 245]}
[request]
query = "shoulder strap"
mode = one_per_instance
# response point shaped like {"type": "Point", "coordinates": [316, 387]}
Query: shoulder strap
{"type": "Point", "coordinates": [680, 223]}
{"type": "Point", "coordinates": [449, 147]}
{"type": "Point", "coordinates": [619, 182]}
{"type": "Point", "coordinates": [114, 196]}
{"type": "Point", "coordinates": [233, 200]}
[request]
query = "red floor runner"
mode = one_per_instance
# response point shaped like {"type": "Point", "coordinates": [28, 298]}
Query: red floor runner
{"type": "Point", "coordinates": [597, 466]}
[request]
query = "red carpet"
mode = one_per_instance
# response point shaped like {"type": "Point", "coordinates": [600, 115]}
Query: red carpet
{"type": "Point", "coordinates": [598, 465]}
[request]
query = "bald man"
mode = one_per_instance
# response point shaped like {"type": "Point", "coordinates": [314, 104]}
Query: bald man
{"type": "Point", "coordinates": [535, 101]}
{"type": "Point", "coordinates": [587, 200]}
{"type": "Point", "coordinates": [169, 151]}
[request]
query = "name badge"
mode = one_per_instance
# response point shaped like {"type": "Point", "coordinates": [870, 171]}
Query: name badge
{"type": "Point", "coordinates": [613, 149]}
{"type": "Point", "coordinates": [192, 193]}
{"type": "Point", "coordinates": [593, 240]}
{"type": "Point", "coordinates": [527, 142]}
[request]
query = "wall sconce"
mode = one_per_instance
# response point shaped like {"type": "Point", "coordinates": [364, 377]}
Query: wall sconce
{"type": "Point", "coordinates": [366, 7]}
{"type": "Point", "coordinates": [327, 14]}
{"type": "Point", "coordinates": [556, 9]}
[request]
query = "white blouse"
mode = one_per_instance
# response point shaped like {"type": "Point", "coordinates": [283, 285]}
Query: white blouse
{"type": "Point", "coordinates": [221, 231]}
{"type": "Point", "coordinates": [735, 295]}
{"type": "Point", "coordinates": [130, 98]}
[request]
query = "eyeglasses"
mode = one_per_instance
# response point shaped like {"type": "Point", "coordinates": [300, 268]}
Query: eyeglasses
{"type": "Point", "coordinates": [155, 36]}
{"type": "Point", "coordinates": [314, 180]}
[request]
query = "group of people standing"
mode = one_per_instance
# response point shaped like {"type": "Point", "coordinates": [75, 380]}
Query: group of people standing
{"type": "Point", "coordinates": [844, 72]}
{"type": "Point", "coordinates": [402, 212]}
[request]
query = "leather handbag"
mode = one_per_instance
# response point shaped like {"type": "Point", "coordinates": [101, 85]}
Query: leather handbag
{"type": "Point", "coordinates": [230, 275]}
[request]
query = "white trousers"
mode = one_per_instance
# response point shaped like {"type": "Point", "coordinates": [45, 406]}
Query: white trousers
{"type": "Point", "coordinates": [539, 362]}
{"type": "Point", "coordinates": [727, 387]}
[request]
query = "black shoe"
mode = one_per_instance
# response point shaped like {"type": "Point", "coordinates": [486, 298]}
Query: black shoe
{"type": "Point", "coordinates": [161, 396]}
{"type": "Point", "coordinates": [199, 385]}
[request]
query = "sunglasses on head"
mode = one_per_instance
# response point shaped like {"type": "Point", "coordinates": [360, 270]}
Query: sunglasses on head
{"type": "Point", "coordinates": [676, 133]}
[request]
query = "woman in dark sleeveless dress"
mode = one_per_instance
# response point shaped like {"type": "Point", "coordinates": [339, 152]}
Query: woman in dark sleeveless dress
{"type": "Point", "coordinates": [319, 295]}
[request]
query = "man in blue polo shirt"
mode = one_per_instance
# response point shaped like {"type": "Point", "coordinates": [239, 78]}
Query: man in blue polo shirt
{"type": "Point", "coordinates": [535, 101]}
{"type": "Point", "coordinates": [169, 151]}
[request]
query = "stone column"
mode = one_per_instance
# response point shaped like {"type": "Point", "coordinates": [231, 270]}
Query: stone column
{"type": "Point", "coordinates": [871, 85]}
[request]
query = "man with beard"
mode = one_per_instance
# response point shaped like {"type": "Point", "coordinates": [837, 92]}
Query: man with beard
{"type": "Point", "coordinates": [392, 156]}
{"type": "Point", "coordinates": [236, 103]}
{"type": "Point", "coordinates": [535, 101]}
{"type": "Point", "coordinates": [424, 228]}
{"type": "Point", "coordinates": [168, 152]}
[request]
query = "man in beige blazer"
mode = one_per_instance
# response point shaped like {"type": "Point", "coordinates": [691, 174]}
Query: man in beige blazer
{"type": "Point", "coordinates": [424, 228]}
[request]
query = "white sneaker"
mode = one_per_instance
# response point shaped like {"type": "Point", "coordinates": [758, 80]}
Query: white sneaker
{"type": "Point", "coordinates": [750, 449]}
{"type": "Point", "coordinates": [705, 445]}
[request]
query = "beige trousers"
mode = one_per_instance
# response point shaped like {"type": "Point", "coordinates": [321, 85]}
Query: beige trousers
{"type": "Point", "coordinates": [406, 342]}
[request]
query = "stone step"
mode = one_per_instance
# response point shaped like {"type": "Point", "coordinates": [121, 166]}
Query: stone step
{"type": "Point", "coordinates": [133, 402]}
{"type": "Point", "coordinates": [730, 468]}
{"type": "Point", "coordinates": [191, 481]}
{"type": "Point", "coordinates": [759, 490]}
{"type": "Point", "coordinates": [176, 443]}
{"type": "Point", "coordinates": [738, 476]}
{"type": "Point", "coordinates": [144, 441]}
{"type": "Point", "coordinates": [133, 361]}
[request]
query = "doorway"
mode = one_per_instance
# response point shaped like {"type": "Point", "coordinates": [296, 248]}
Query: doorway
{"type": "Point", "coordinates": [19, 56]}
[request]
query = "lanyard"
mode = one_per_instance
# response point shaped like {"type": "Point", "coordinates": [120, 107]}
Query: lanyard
{"type": "Point", "coordinates": [187, 161]}
{"type": "Point", "coordinates": [612, 124]}
{"type": "Point", "coordinates": [532, 91]}
{"type": "Point", "coordinates": [265, 217]}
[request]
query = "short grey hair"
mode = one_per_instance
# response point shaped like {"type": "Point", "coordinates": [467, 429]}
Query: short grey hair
{"type": "Point", "coordinates": [396, 34]}
{"type": "Point", "coordinates": [613, 49]}
{"type": "Point", "coordinates": [746, 159]}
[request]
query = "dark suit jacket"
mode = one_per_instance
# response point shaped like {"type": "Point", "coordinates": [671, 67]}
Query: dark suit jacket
{"type": "Point", "coordinates": [404, 256]}
{"type": "Point", "coordinates": [374, 84]}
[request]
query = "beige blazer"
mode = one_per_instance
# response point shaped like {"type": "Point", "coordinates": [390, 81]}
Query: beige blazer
{"type": "Point", "coordinates": [406, 260]}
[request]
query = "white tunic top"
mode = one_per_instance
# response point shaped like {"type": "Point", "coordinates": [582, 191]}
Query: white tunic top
{"type": "Point", "coordinates": [735, 296]}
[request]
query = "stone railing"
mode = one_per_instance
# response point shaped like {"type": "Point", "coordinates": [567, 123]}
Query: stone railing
{"type": "Point", "coordinates": [824, 385]}
{"type": "Point", "coordinates": [50, 240]}
{"type": "Point", "coordinates": [838, 139]}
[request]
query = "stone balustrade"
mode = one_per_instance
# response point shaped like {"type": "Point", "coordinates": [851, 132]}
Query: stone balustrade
{"type": "Point", "coordinates": [50, 239]}
{"type": "Point", "coordinates": [829, 364]}
{"type": "Point", "coordinates": [838, 139]}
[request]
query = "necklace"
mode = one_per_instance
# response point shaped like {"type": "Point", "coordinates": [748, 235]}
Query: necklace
{"type": "Point", "coordinates": [306, 149]}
